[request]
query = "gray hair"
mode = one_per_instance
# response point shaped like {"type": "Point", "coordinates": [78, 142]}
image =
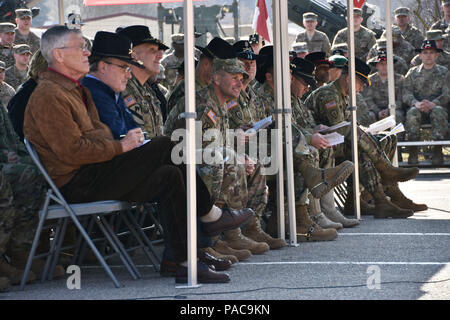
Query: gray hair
{"type": "Point", "coordinates": [55, 37]}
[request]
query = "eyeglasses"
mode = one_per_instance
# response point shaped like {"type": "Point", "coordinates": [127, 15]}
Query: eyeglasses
{"type": "Point", "coordinates": [123, 67]}
{"type": "Point", "coordinates": [82, 48]}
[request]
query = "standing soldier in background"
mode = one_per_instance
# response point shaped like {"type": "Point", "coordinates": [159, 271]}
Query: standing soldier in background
{"type": "Point", "coordinates": [300, 49]}
{"type": "Point", "coordinates": [316, 40]}
{"type": "Point", "coordinates": [23, 33]}
{"type": "Point", "coordinates": [17, 74]}
{"type": "Point", "coordinates": [444, 56]}
{"type": "Point", "coordinates": [7, 36]}
{"type": "Point", "coordinates": [74, 22]}
{"type": "Point", "coordinates": [364, 37]}
{"type": "Point", "coordinates": [445, 21]}
{"type": "Point", "coordinates": [427, 95]}
{"type": "Point", "coordinates": [400, 65]}
{"type": "Point", "coordinates": [6, 91]}
{"type": "Point", "coordinates": [173, 60]}
{"type": "Point", "coordinates": [409, 32]}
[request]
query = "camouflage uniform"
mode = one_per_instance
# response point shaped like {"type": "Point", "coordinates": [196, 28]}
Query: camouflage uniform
{"type": "Point", "coordinates": [7, 55]}
{"type": "Point", "coordinates": [318, 43]}
{"type": "Point", "coordinates": [178, 93]}
{"type": "Point", "coordinates": [22, 191]}
{"type": "Point", "coordinates": [15, 77]}
{"type": "Point", "coordinates": [145, 107]}
{"type": "Point", "coordinates": [411, 34]}
{"type": "Point", "coordinates": [443, 60]}
{"type": "Point", "coordinates": [405, 50]}
{"type": "Point", "coordinates": [171, 62]}
{"type": "Point", "coordinates": [32, 40]}
{"type": "Point", "coordinates": [247, 111]}
{"type": "Point", "coordinates": [433, 85]}
{"type": "Point", "coordinates": [6, 93]}
{"type": "Point", "coordinates": [377, 97]}
{"type": "Point", "coordinates": [364, 40]}
{"type": "Point", "coordinates": [400, 65]}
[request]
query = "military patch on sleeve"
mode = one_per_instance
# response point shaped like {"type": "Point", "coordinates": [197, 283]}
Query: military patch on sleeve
{"type": "Point", "coordinates": [230, 105]}
{"type": "Point", "coordinates": [330, 105]}
{"type": "Point", "coordinates": [212, 116]}
{"type": "Point", "coordinates": [129, 101]}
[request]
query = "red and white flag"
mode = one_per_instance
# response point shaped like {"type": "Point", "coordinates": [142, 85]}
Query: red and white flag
{"type": "Point", "coordinates": [261, 21]}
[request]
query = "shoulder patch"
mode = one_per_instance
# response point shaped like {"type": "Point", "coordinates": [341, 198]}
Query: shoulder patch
{"type": "Point", "coordinates": [230, 105]}
{"type": "Point", "coordinates": [330, 105]}
{"type": "Point", "coordinates": [129, 101]}
{"type": "Point", "coordinates": [212, 116]}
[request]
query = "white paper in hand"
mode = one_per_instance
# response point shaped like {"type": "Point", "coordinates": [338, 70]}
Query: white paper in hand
{"type": "Point", "coordinates": [382, 125]}
{"type": "Point", "coordinates": [264, 123]}
{"type": "Point", "coordinates": [334, 138]}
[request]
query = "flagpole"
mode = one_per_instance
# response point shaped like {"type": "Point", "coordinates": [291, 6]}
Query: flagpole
{"type": "Point", "coordinates": [352, 102]}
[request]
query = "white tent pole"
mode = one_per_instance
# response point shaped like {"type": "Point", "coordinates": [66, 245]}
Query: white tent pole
{"type": "Point", "coordinates": [352, 102]}
{"type": "Point", "coordinates": [390, 66]}
{"type": "Point", "coordinates": [278, 116]}
{"type": "Point", "coordinates": [61, 11]}
{"type": "Point", "coordinates": [189, 71]}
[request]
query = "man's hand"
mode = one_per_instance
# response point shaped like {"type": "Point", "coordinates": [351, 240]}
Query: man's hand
{"type": "Point", "coordinates": [133, 139]}
{"type": "Point", "coordinates": [383, 114]}
{"type": "Point", "coordinates": [249, 166]}
{"type": "Point", "coordinates": [319, 142]}
{"type": "Point", "coordinates": [422, 106]}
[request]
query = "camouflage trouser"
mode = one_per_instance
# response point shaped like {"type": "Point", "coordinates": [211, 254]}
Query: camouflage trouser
{"type": "Point", "coordinates": [326, 158]}
{"type": "Point", "coordinates": [303, 153]}
{"type": "Point", "coordinates": [438, 118]}
{"type": "Point", "coordinates": [21, 197]}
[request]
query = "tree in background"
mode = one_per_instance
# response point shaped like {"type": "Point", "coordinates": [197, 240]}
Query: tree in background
{"type": "Point", "coordinates": [425, 12]}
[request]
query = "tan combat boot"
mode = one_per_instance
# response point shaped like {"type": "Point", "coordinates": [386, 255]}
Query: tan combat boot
{"type": "Point", "coordinates": [223, 248]}
{"type": "Point", "coordinates": [386, 209]}
{"type": "Point", "coordinates": [218, 255]}
{"type": "Point", "coordinates": [330, 211]}
{"type": "Point", "coordinates": [19, 259]}
{"type": "Point", "coordinates": [253, 231]}
{"type": "Point", "coordinates": [319, 217]}
{"type": "Point", "coordinates": [4, 284]}
{"type": "Point", "coordinates": [320, 181]}
{"type": "Point", "coordinates": [390, 174]}
{"type": "Point", "coordinates": [307, 230]}
{"type": "Point", "coordinates": [400, 200]}
{"type": "Point", "coordinates": [13, 274]}
{"type": "Point", "coordinates": [367, 209]}
{"type": "Point", "coordinates": [236, 240]}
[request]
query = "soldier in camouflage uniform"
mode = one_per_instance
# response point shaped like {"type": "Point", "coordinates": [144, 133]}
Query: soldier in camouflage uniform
{"type": "Point", "coordinates": [427, 96]}
{"type": "Point", "coordinates": [443, 23]}
{"type": "Point", "coordinates": [18, 73]}
{"type": "Point", "coordinates": [6, 91]}
{"type": "Point", "coordinates": [400, 65]}
{"type": "Point", "coordinates": [444, 56]}
{"type": "Point", "coordinates": [447, 39]}
{"type": "Point", "coordinates": [22, 191]}
{"type": "Point", "coordinates": [330, 107]}
{"type": "Point", "coordinates": [316, 40]}
{"type": "Point", "coordinates": [7, 36]}
{"type": "Point", "coordinates": [23, 33]}
{"type": "Point", "coordinates": [216, 48]}
{"type": "Point", "coordinates": [376, 95]}
{"type": "Point", "coordinates": [300, 49]}
{"type": "Point", "coordinates": [173, 60]}
{"type": "Point", "coordinates": [409, 32]}
{"type": "Point", "coordinates": [401, 47]}
{"type": "Point", "coordinates": [74, 21]}
{"type": "Point", "coordinates": [364, 37]}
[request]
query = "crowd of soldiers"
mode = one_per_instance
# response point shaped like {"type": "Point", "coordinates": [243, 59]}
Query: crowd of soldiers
{"type": "Point", "coordinates": [132, 86]}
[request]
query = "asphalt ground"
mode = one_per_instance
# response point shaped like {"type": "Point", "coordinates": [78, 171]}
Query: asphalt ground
{"type": "Point", "coordinates": [384, 259]}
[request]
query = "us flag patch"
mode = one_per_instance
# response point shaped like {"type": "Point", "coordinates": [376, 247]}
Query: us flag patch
{"type": "Point", "coordinates": [330, 105]}
{"type": "Point", "coordinates": [230, 105]}
{"type": "Point", "coordinates": [212, 116]}
{"type": "Point", "coordinates": [129, 101]}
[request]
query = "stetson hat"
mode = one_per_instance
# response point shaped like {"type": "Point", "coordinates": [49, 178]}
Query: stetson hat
{"type": "Point", "coordinates": [318, 58]}
{"type": "Point", "coordinates": [140, 34]}
{"type": "Point", "coordinates": [381, 56]}
{"type": "Point", "coordinates": [429, 44]}
{"type": "Point", "coordinates": [218, 48]}
{"type": "Point", "coordinates": [113, 45]}
{"type": "Point", "coordinates": [244, 50]}
{"type": "Point", "coordinates": [304, 69]}
{"type": "Point", "coordinates": [362, 70]}
{"type": "Point", "coordinates": [264, 61]}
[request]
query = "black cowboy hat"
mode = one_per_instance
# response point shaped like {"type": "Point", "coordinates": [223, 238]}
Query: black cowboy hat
{"type": "Point", "coordinates": [139, 34]}
{"type": "Point", "coordinates": [113, 45]}
{"type": "Point", "coordinates": [263, 62]}
{"type": "Point", "coordinates": [362, 70]}
{"type": "Point", "coordinates": [381, 56]}
{"type": "Point", "coordinates": [244, 50]}
{"type": "Point", "coordinates": [304, 69]}
{"type": "Point", "coordinates": [429, 44]}
{"type": "Point", "coordinates": [218, 48]}
{"type": "Point", "coordinates": [318, 58]}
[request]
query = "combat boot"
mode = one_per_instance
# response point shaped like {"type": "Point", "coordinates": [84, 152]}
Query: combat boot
{"type": "Point", "coordinates": [367, 209]}
{"type": "Point", "coordinates": [19, 258]}
{"type": "Point", "coordinates": [253, 231]}
{"type": "Point", "coordinates": [320, 181]}
{"type": "Point", "coordinates": [4, 284]}
{"type": "Point", "coordinates": [400, 200]}
{"type": "Point", "coordinates": [318, 217]}
{"type": "Point", "coordinates": [330, 211]}
{"type": "Point", "coordinates": [218, 255]}
{"type": "Point", "coordinates": [386, 209]}
{"type": "Point", "coordinates": [223, 248]}
{"type": "Point", "coordinates": [13, 274]}
{"type": "Point", "coordinates": [307, 230]}
{"type": "Point", "coordinates": [236, 240]}
{"type": "Point", "coordinates": [413, 157]}
{"type": "Point", "coordinates": [391, 174]}
{"type": "Point", "coordinates": [437, 159]}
